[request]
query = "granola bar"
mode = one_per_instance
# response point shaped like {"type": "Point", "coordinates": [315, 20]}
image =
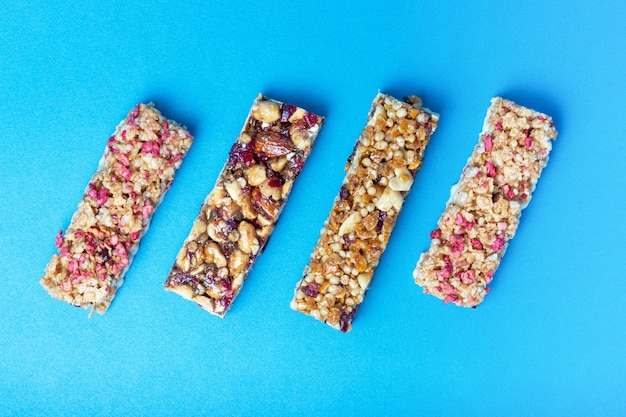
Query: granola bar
{"type": "Point", "coordinates": [239, 215]}
{"type": "Point", "coordinates": [379, 174]}
{"type": "Point", "coordinates": [484, 209]}
{"type": "Point", "coordinates": [133, 175]}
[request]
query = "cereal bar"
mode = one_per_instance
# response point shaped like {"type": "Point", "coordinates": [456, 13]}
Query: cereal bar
{"type": "Point", "coordinates": [483, 212]}
{"type": "Point", "coordinates": [239, 215]}
{"type": "Point", "coordinates": [133, 175]}
{"type": "Point", "coordinates": [379, 174]}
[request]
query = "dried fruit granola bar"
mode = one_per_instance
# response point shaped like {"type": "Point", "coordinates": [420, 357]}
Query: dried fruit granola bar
{"type": "Point", "coordinates": [379, 174]}
{"type": "Point", "coordinates": [484, 209]}
{"type": "Point", "coordinates": [133, 175]}
{"type": "Point", "coordinates": [239, 215]}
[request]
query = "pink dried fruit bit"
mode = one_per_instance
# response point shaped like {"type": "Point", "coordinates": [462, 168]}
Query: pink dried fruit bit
{"type": "Point", "coordinates": [519, 153]}
{"type": "Point", "coordinates": [451, 298]}
{"type": "Point", "coordinates": [146, 211]}
{"type": "Point", "coordinates": [528, 142]}
{"type": "Point", "coordinates": [123, 171]}
{"type": "Point", "coordinates": [123, 159]}
{"type": "Point", "coordinates": [102, 239]}
{"type": "Point", "coordinates": [488, 143]}
{"type": "Point", "coordinates": [476, 243]}
{"type": "Point", "coordinates": [467, 277]}
{"type": "Point", "coordinates": [498, 244]}
{"type": "Point", "coordinates": [58, 241]}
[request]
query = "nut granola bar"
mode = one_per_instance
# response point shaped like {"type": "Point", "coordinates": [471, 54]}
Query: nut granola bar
{"type": "Point", "coordinates": [484, 209]}
{"type": "Point", "coordinates": [379, 174]}
{"type": "Point", "coordinates": [133, 175]}
{"type": "Point", "coordinates": [239, 215]}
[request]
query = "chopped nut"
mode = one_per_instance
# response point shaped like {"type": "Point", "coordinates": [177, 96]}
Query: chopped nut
{"type": "Point", "coordinates": [237, 262]}
{"type": "Point", "coordinates": [390, 199]}
{"type": "Point", "coordinates": [198, 228]}
{"type": "Point", "coordinates": [255, 175]}
{"type": "Point", "coordinates": [267, 111]}
{"type": "Point", "coordinates": [402, 181]}
{"type": "Point", "coordinates": [272, 144]}
{"type": "Point", "coordinates": [234, 190]}
{"type": "Point", "coordinates": [264, 204]}
{"type": "Point", "coordinates": [278, 164]}
{"type": "Point", "coordinates": [350, 224]}
{"type": "Point", "coordinates": [213, 254]}
{"type": "Point", "coordinates": [269, 190]}
{"type": "Point", "coordinates": [248, 243]}
{"type": "Point", "coordinates": [364, 280]}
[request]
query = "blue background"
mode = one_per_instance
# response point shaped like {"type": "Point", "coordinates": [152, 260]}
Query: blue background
{"type": "Point", "coordinates": [548, 340]}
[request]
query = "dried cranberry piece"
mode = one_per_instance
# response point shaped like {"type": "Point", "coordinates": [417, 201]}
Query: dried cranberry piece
{"type": "Point", "coordinates": [310, 119]}
{"type": "Point", "coordinates": [297, 162]}
{"type": "Point", "coordinates": [345, 320]}
{"type": "Point", "coordinates": [227, 300]}
{"type": "Point", "coordinates": [228, 248]}
{"type": "Point", "coordinates": [105, 255]}
{"type": "Point", "coordinates": [227, 284]}
{"type": "Point", "coordinates": [182, 278]}
{"type": "Point", "coordinates": [382, 216]}
{"type": "Point", "coordinates": [312, 289]}
{"type": "Point", "coordinates": [241, 155]}
{"type": "Point", "coordinates": [275, 182]}
{"type": "Point", "coordinates": [288, 110]}
{"type": "Point", "coordinates": [232, 224]}
{"type": "Point", "coordinates": [343, 193]}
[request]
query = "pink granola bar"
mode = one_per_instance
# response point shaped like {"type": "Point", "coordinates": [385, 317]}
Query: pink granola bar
{"type": "Point", "coordinates": [133, 175]}
{"type": "Point", "coordinates": [379, 174]}
{"type": "Point", "coordinates": [483, 212]}
{"type": "Point", "coordinates": [239, 215]}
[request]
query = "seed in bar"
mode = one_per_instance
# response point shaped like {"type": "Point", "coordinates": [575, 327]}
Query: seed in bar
{"type": "Point", "coordinates": [239, 215]}
{"type": "Point", "coordinates": [133, 175]}
{"type": "Point", "coordinates": [379, 174]}
{"type": "Point", "coordinates": [483, 212]}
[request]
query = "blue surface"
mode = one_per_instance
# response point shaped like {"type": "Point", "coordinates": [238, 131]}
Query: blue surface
{"type": "Point", "coordinates": [548, 340]}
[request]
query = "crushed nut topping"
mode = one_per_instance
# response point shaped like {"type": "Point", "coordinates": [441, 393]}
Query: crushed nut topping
{"type": "Point", "coordinates": [485, 206]}
{"type": "Point", "coordinates": [239, 215]}
{"type": "Point", "coordinates": [379, 174]}
{"type": "Point", "coordinates": [134, 173]}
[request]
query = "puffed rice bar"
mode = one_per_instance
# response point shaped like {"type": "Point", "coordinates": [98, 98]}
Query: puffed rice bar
{"type": "Point", "coordinates": [483, 212]}
{"type": "Point", "coordinates": [133, 175]}
{"type": "Point", "coordinates": [379, 174]}
{"type": "Point", "coordinates": [239, 215]}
